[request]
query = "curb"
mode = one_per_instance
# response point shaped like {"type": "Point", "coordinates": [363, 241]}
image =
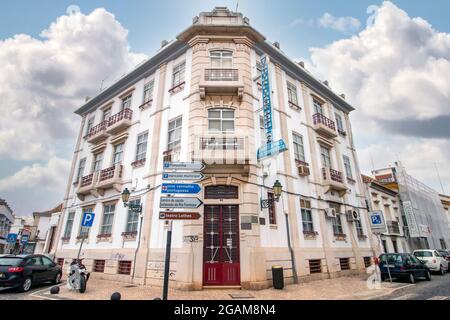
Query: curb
{"type": "Point", "coordinates": [395, 290]}
{"type": "Point", "coordinates": [37, 294]}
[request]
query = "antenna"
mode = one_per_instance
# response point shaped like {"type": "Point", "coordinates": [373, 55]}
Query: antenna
{"type": "Point", "coordinates": [237, 6]}
{"type": "Point", "coordinates": [103, 81]}
{"type": "Point", "coordinates": [371, 160]}
{"type": "Point", "coordinates": [439, 178]}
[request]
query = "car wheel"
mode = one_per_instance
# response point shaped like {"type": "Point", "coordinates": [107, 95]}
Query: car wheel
{"type": "Point", "coordinates": [428, 276]}
{"type": "Point", "coordinates": [411, 278]}
{"type": "Point", "coordinates": [26, 285]}
{"type": "Point", "coordinates": [441, 271]}
{"type": "Point", "coordinates": [57, 279]}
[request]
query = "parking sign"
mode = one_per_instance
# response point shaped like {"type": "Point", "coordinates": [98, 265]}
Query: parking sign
{"type": "Point", "coordinates": [377, 223]}
{"type": "Point", "coordinates": [88, 219]}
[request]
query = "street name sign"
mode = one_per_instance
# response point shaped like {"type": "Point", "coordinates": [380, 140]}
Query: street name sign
{"type": "Point", "coordinates": [183, 176]}
{"type": "Point", "coordinates": [180, 188]}
{"type": "Point", "coordinates": [179, 203]}
{"type": "Point", "coordinates": [187, 166]}
{"type": "Point", "coordinates": [88, 219]}
{"type": "Point", "coordinates": [12, 238]}
{"type": "Point", "coordinates": [271, 149]}
{"type": "Point", "coordinates": [377, 222]}
{"type": "Point", "coordinates": [169, 215]}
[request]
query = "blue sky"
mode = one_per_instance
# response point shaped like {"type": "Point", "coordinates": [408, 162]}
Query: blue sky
{"type": "Point", "coordinates": [407, 124]}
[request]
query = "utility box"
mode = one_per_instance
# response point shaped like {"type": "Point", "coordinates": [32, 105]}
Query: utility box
{"type": "Point", "coordinates": [278, 277]}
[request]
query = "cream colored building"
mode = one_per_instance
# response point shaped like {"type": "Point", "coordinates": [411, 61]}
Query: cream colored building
{"type": "Point", "coordinates": [386, 200]}
{"type": "Point", "coordinates": [199, 98]}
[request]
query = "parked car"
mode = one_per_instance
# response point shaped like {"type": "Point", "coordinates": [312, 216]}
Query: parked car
{"type": "Point", "coordinates": [433, 259]}
{"type": "Point", "coordinates": [24, 271]}
{"type": "Point", "coordinates": [404, 266]}
{"type": "Point", "coordinates": [445, 254]}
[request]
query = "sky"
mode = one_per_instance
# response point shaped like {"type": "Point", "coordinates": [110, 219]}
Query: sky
{"type": "Point", "coordinates": [391, 59]}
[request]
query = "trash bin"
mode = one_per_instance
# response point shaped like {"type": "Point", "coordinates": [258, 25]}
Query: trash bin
{"type": "Point", "coordinates": [277, 277]}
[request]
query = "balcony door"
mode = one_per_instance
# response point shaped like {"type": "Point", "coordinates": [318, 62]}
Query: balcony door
{"type": "Point", "coordinates": [221, 263]}
{"type": "Point", "coordinates": [221, 59]}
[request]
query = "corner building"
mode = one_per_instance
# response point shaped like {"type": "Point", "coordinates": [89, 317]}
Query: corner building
{"type": "Point", "coordinates": [200, 99]}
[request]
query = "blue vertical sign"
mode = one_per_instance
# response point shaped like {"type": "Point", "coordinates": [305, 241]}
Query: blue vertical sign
{"type": "Point", "coordinates": [271, 148]}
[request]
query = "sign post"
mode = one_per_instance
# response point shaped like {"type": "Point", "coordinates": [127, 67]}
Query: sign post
{"type": "Point", "coordinates": [86, 222]}
{"type": "Point", "coordinates": [378, 226]}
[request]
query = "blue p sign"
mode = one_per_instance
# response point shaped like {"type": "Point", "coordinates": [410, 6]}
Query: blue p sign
{"type": "Point", "coordinates": [88, 219]}
{"type": "Point", "coordinates": [376, 219]}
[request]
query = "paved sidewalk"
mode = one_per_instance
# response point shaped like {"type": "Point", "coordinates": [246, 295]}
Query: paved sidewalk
{"type": "Point", "coordinates": [345, 288]}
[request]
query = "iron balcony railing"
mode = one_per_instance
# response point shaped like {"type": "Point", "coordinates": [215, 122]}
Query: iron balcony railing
{"type": "Point", "coordinates": [97, 129]}
{"type": "Point", "coordinates": [333, 175]}
{"type": "Point", "coordinates": [221, 75]}
{"type": "Point", "coordinates": [222, 143]}
{"type": "Point", "coordinates": [319, 118]}
{"type": "Point", "coordinates": [393, 227]}
{"type": "Point", "coordinates": [124, 114]}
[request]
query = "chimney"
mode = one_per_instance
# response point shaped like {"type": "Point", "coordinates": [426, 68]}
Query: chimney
{"type": "Point", "coordinates": [326, 83]}
{"type": "Point", "coordinates": [164, 43]}
{"type": "Point", "coordinates": [87, 99]}
{"type": "Point", "coordinates": [301, 64]}
{"type": "Point", "coordinates": [276, 45]}
{"type": "Point", "coordinates": [342, 96]}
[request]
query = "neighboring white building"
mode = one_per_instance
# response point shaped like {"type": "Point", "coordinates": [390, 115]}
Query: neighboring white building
{"type": "Point", "coordinates": [199, 98]}
{"type": "Point", "coordinates": [46, 224]}
{"type": "Point", "coordinates": [6, 221]}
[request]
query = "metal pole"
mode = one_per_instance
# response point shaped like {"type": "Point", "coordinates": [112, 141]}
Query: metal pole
{"type": "Point", "coordinates": [79, 251]}
{"type": "Point", "coordinates": [294, 270]}
{"type": "Point", "coordinates": [167, 262]}
{"type": "Point", "coordinates": [139, 243]}
{"type": "Point", "coordinates": [387, 260]}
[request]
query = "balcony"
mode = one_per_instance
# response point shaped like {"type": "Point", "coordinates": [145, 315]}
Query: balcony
{"type": "Point", "coordinates": [324, 126]}
{"type": "Point", "coordinates": [86, 185]}
{"type": "Point", "coordinates": [222, 150]}
{"type": "Point", "coordinates": [334, 180]}
{"type": "Point", "coordinates": [110, 178]}
{"type": "Point", "coordinates": [97, 133]}
{"type": "Point", "coordinates": [221, 81]}
{"type": "Point", "coordinates": [393, 227]}
{"type": "Point", "coordinates": [119, 122]}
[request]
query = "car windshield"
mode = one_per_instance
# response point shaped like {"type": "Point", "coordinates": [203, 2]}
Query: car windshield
{"type": "Point", "coordinates": [13, 262]}
{"type": "Point", "coordinates": [423, 254]}
{"type": "Point", "coordinates": [392, 258]}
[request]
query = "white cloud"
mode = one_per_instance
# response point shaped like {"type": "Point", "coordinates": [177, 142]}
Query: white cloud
{"type": "Point", "coordinates": [42, 81]}
{"type": "Point", "coordinates": [396, 74]}
{"type": "Point", "coordinates": [52, 176]}
{"type": "Point", "coordinates": [341, 24]}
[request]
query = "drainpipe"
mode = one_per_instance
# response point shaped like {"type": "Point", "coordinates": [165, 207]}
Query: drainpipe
{"type": "Point", "coordinates": [138, 244]}
{"type": "Point", "coordinates": [294, 270]}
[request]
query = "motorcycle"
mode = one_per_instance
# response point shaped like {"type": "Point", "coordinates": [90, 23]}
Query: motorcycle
{"type": "Point", "coordinates": [78, 276]}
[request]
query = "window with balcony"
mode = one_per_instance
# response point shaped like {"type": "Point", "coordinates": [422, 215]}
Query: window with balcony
{"type": "Point", "coordinates": [90, 125]}
{"type": "Point", "coordinates": [348, 168]}
{"type": "Point", "coordinates": [178, 74]}
{"type": "Point", "coordinates": [98, 159]}
{"type": "Point", "coordinates": [81, 167]}
{"type": "Point", "coordinates": [133, 219]}
{"type": "Point", "coordinates": [292, 95]}
{"type": "Point", "coordinates": [221, 120]}
{"type": "Point", "coordinates": [339, 123]}
{"type": "Point", "coordinates": [126, 102]}
{"type": "Point", "coordinates": [307, 220]}
{"type": "Point", "coordinates": [272, 212]}
{"type": "Point", "coordinates": [325, 155]}
{"type": "Point", "coordinates": [108, 219]}
{"type": "Point", "coordinates": [299, 151]}
{"type": "Point", "coordinates": [118, 154]}
{"type": "Point", "coordinates": [318, 108]}
{"type": "Point", "coordinates": [106, 114]}
{"type": "Point", "coordinates": [69, 225]}
{"type": "Point", "coordinates": [141, 148]}
{"type": "Point", "coordinates": [148, 91]}
{"type": "Point", "coordinates": [221, 59]}
{"type": "Point", "coordinates": [174, 134]}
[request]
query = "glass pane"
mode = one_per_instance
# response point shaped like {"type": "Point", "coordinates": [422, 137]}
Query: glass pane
{"type": "Point", "coordinates": [228, 126]}
{"type": "Point", "coordinates": [214, 125]}
{"type": "Point", "coordinates": [214, 114]}
{"type": "Point", "coordinates": [228, 114]}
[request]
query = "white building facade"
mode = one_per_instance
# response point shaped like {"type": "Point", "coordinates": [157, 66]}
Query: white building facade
{"type": "Point", "coordinates": [199, 99]}
{"type": "Point", "coordinates": [6, 221]}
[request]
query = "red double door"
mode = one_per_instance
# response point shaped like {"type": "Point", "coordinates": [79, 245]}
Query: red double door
{"type": "Point", "coordinates": [221, 246]}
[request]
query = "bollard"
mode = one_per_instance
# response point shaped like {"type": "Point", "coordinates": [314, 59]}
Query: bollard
{"type": "Point", "coordinates": [116, 296]}
{"type": "Point", "coordinates": [277, 277]}
{"type": "Point", "coordinates": [54, 290]}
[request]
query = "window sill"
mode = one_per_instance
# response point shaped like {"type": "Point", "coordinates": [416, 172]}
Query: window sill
{"type": "Point", "coordinates": [65, 240]}
{"type": "Point", "coordinates": [350, 180]}
{"type": "Point", "coordinates": [146, 105]}
{"type": "Point", "coordinates": [362, 238]}
{"type": "Point", "coordinates": [177, 88]}
{"type": "Point", "coordinates": [294, 106]}
{"type": "Point", "coordinates": [310, 235]}
{"type": "Point", "coordinates": [342, 133]}
{"type": "Point", "coordinates": [274, 226]}
{"type": "Point", "coordinates": [138, 163]}
{"type": "Point", "coordinates": [104, 238]}
{"type": "Point", "coordinates": [340, 237]}
{"type": "Point", "coordinates": [129, 236]}
{"type": "Point", "coordinates": [80, 238]}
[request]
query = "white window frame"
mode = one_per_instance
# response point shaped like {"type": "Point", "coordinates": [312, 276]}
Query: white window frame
{"type": "Point", "coordinates": [178, 74]}
{"type": "Point", "coordinates": [89, 124]}
{"type": "Point", "coordinates": [318, 106]}
{"type": "Point", "coordinates": [292, 93]}
{"type": "Point", "coordinates": [325, 156]}
{"type": "Point", "coordinates": [67, 229]}
{"type": "Point", "coordinates": [98, 161]}
{"type": "Point", "coordinates": [148, 91]}
{"type": "Point", "coordinates": [107, 113]}
{"type": "Point", "coordinates": [221, 58]}
{"type": "Point", "coordinates": [299, 148]}
{"type": "Point", "coordinates": [118, 153]}
{"type": "Point", "coordinates": [133, 225]}
{"type": "Point", "coordinates": [221, 119]}
{"type": "Point", "coordinates": [81, 168]}
{"type": "Point", "coordinates": [141, 146]}
{"type": "Point", "coordinates": [172, 132]}
{"type": "Point", "coordinates": [339, 122]}
{"type": "Point", "coordinates": [108, 213]}
{"type": "Point", "coordinates": [126, 102]}
{"type": "Point", "coordinates": [308, 225]}
{"type": "Point", "coordinates": [348, 167]}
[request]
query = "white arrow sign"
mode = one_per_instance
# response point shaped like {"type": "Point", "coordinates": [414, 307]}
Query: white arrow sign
{"type": "Point", "coordinates": [188, 166]}
{"type": "Point", "coordinates": [183, 176]}
{"type": "Point", "coordinates": [180, 203]}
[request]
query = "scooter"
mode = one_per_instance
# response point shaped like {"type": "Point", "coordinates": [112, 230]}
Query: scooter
{"type": "Point", "coordinates": [78, 276]}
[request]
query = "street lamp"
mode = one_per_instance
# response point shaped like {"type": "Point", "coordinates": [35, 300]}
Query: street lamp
{"type": "Point", "coordinates": [277, 190]}
{"type": "Point", "coordinates": [133, 207]}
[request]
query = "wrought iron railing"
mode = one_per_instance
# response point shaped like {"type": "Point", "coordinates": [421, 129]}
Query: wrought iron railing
{"type": "Point", "coordinates": [124, 114]}
{"type": "Point", "coordinates": [319, 118]}
{"type": "Point", "coordinates": [87, 180]}
{"type": "Point", "coordinates": [332, 174]}
{"type": "Point", "coordinates": [221, 75]}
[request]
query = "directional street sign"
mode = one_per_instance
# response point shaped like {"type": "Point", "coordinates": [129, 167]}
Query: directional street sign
{"type": "Point", "coordinates": [24, 238]}
{"type": "Point", "coordinates": [183, 176]}
{"type": "Point", "coordinates": [88, 219]}
{"type": "Point", "coordinates": [186, 166]}
{"type": "Point", "coordinates": [180, 188]}
{"type": "Point", "coordinates": [179, 215]}
{"type": "Point", "coordinates": [180, 203]}
{"type": "Point", "coordinates": [271, 149]}
{"type": "Point", "coordinates": [12, 238]}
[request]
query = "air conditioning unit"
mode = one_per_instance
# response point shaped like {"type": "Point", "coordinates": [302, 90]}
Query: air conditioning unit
{"type": "Point", "coordinates": [303, 171]}
{"type": "Point", "coordinates": [331, 212]}
{"type": "Point", "coordinates": [352, 215]}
